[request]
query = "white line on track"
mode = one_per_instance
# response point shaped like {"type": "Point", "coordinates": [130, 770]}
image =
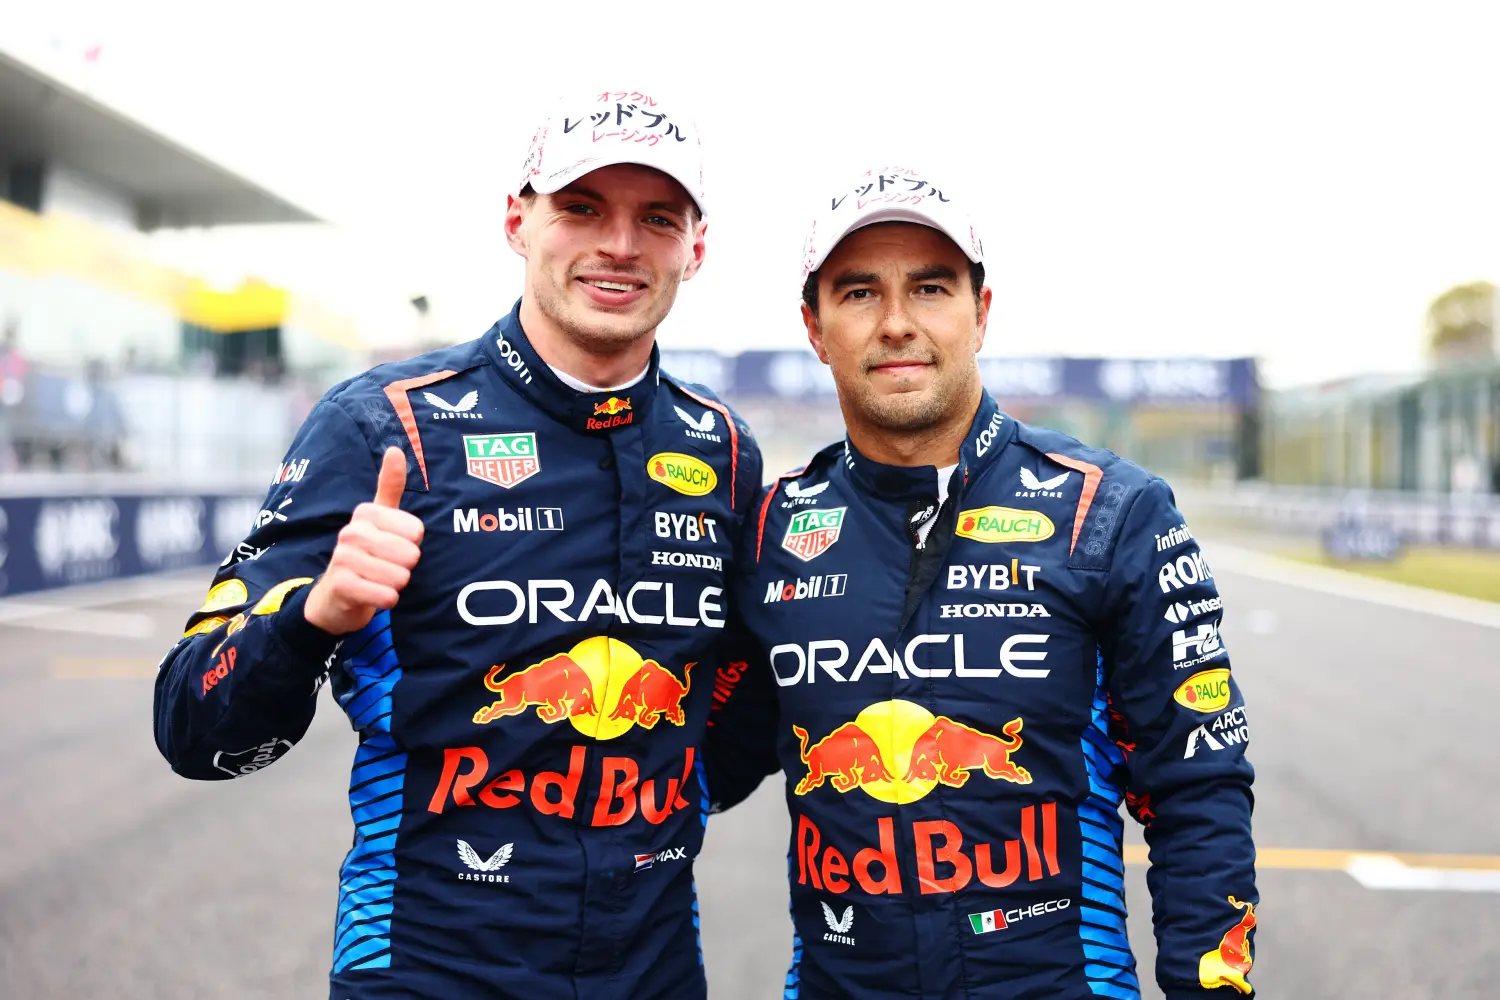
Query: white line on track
{"type": "Point", "coordinates": [74, 609]}
{"type": "Point", "coordinates": [51, 618]}
{"type": "Point", "coordinates": [1381, 871]}
{"type": "Point", "coordinates": [1338, 583]}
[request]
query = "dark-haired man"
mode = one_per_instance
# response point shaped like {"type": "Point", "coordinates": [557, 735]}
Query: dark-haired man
{"type": "Point", "coordinates": [978, 638]}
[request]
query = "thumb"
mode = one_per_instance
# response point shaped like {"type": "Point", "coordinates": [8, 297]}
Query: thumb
{"type": "Point", "coordinates": [392, 482]}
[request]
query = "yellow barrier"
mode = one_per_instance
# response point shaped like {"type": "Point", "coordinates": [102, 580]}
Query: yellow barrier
{"type": "Point", "coordinates": [58, 244]}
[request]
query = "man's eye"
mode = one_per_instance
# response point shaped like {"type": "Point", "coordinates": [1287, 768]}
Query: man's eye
{"type": "Point", "coordinates": [932, 289]}
{"type": "Point", "coordinates": [661, 220]}
{"type": "Point", "coordinates": [857, 294]}
{"type": "Point", "coordinates": [580, 209]}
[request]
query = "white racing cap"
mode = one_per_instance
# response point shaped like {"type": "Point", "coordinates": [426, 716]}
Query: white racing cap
{"type": "Point", "coordinates": [607, 127]}
{"type": "Point", "coordinates": [890, 194]}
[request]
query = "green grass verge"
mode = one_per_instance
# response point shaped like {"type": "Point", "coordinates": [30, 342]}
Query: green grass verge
{"type": "Point", "coordinates": [1458, 571]}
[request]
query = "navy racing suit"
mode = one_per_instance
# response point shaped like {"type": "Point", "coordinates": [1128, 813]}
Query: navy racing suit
{"type": "Point", "coordinates": [526, 793]}
{"type": "Point", "coordinates": [964, 693]}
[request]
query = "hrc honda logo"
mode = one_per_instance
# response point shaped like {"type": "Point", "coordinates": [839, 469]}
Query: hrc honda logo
{"type": "Point", "coordinates": [828, 585]}
{"type": "Point", "coordinates": [1203, 645]}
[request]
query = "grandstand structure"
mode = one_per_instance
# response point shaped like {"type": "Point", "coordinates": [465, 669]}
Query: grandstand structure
{"type": "Point", "coordinates": [1433, 433]}
{"type": "Point", "coordinates": [110, 361]}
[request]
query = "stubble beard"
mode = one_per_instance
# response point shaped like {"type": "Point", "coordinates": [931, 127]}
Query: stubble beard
{"type": "Point", "coordinates": [601, 333]}
{"type": "Point", "coordinates": [914, 412]}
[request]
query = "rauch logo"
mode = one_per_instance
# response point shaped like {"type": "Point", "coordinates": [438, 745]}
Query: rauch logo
{"type": "Point", "coordinates": [1004, 524]}
{"type": "Point", "coordinates": [683, 473]}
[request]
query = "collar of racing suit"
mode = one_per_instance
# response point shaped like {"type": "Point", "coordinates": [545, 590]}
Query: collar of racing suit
{"type": "Point", "coordinates": [510, 350]}
{"type": "Point", "coordinates": [988, 435]}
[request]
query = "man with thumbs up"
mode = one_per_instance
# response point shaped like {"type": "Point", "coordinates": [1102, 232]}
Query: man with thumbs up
{"type": "Point", "coordinates": [509, 559]}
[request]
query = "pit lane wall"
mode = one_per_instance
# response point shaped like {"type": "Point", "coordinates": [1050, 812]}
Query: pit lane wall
{"type": "Point", "coordinates": [68, 538]}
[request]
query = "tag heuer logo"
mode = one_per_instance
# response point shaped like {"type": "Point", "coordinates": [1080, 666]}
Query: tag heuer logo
{"type": "Point", "coordinates": [502, 459]}
{"type": "Point", "coordinates": [813, 532]}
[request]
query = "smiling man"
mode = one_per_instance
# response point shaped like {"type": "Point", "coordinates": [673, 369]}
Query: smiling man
{"type": "Point", "coordinates": [508, 557]}
{"type": "Point", "coordinates": [978, 639]}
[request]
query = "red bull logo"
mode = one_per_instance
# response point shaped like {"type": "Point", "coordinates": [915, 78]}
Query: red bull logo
{"type": "Point", "coordinates": [468, 779]}
{"type": "Point", "coordinates": [897, 751]}
{"type": "Point", "coordinates": [613, 412]}
{"type": "Point", "coordinates": [611, 406]}
{"type": "Point", "coordinates": [945, 860]}
{"type": "Point", "coordinates": [1229, 963]}
{"type": "Point", "coordinates": [601, 685]}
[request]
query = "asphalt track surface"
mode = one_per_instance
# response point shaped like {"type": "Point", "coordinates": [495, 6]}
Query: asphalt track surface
{"type": "Point", "coordinates": [1372, 726]}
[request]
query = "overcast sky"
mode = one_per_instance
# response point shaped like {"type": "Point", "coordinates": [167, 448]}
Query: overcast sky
{"type": "Point", "coordinates": [1288, 180]}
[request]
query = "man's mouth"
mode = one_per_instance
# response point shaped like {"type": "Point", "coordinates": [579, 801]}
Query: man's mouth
{"type": "Point", "coordinates": [613, 286]}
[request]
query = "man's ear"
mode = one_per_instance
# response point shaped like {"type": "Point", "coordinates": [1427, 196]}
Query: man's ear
{"type": "Point", "coordinates": [700, 246]}
{"type": "Point", "coordinates": [515, 216]}
{"type": "Point", "coordinates": [982, 327]}
{"type": "Point", "coordinates": [814, 333]}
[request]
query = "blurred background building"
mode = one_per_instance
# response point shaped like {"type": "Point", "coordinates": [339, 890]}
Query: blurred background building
{"type": "Point", "coordinates": [126, 375]}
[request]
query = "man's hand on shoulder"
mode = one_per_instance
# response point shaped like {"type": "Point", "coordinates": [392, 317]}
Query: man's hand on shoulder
{"type": "Point", "coordinates": [373, 558]}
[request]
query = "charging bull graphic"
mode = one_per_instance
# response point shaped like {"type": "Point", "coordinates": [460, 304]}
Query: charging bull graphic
{"type": "Point", "coordinates": [949, 750]}
{"type": "Point", "coordinates": [558, 687]}
{"type": "Point", "coordinates": [602, 686]}
{"type": "Point", "coordinates": [1229, 963]}
{"type": "Point", "coordinates": [847, 756]}
{"type": "Point", "coordinates": [651, 694]}
{"type": "Point", "coordinates": [897, 751]}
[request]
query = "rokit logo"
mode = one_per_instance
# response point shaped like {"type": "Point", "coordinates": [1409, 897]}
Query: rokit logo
{"type": "Point", "coordinates": [469, 519]}
{"type": "Point", "coordinates": [1229, 729]}
{"type": "Point", "coordinates": [701, 427]}
{"type": "Point", "coordinates": [461, 410]}
{"type": "Point", "coordinates": [800, 589]}
{"type": "Point", "coordinates": [237, 765]}
{"type": "Point", "coordinates": [793, 663]}
{"type": "Point", "coordinates": [1184, 571]}
{"type": "Point", "coordinates": [484, 869]}
{"type": "Point", "coordinates": [1203, 645]}
{"type": "Point", "coordinates": [799, 496]}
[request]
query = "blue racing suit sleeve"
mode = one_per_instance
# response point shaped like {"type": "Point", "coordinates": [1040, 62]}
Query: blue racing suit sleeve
{"type": "Point", "coordinates": [1179, 717]}
{"type": "Point", "coordinates": [240, 687]}
{"type": "Point", "coordinates": [739, 746]}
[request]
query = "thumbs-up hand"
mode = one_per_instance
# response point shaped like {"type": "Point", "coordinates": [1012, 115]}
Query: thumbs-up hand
{"type": "Point", "coordinates": [373, 558]}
